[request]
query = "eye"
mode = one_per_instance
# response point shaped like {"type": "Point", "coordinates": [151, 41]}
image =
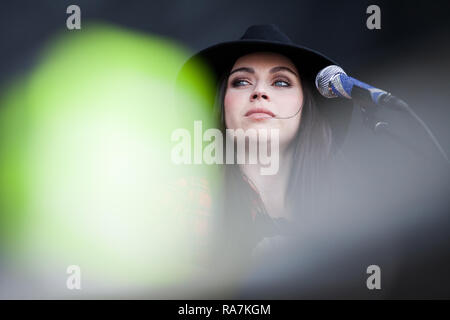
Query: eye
{"type": "Point", "coordinates": [282, 83]}
{"type": "Point", "coordinates": [240, 83]}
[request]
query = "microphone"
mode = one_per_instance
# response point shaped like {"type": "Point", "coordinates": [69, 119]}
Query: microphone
{"type": "Point", "coordinates": [333, 82]}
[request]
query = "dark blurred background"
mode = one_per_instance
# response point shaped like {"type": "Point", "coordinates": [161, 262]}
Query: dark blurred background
{"type": "Point", "coordinates": [409, 56]}
{"type": "Point", "coordinates": [338, 28]}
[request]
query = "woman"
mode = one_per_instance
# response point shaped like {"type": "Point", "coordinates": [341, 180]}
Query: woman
{"type": "Point", "coordinates": [265, 82]}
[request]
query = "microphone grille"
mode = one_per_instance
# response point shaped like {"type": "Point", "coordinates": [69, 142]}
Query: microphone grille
{"type": "Point", "coordinates": [324, 77]}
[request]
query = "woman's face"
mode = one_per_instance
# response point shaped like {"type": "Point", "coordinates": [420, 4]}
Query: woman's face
{"type": "Point", "coordinates": [262, 86]}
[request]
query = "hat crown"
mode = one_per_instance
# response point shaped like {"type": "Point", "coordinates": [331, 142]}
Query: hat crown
{"type": "Point", "coordinates": [268, 32]}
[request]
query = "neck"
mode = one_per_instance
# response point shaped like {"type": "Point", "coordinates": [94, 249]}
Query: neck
{"type": "Point", "coordinates": [272, 188]}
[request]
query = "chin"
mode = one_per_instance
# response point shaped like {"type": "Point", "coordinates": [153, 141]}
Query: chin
{"type": "Point", "coordinates": [264, 123]}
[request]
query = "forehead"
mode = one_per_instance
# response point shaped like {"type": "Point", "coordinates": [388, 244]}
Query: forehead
{"type": "Point", "coordinates": [263, 60]}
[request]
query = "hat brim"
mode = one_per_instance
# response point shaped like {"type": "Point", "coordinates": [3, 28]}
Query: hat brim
{"type": "Point", "coordinates": [221, 57]}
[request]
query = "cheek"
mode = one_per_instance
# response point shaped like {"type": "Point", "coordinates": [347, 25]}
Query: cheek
{"type": "Point", "coordinates": [232, 106]}
{"type": "Point", "coordinates": [292, 103]}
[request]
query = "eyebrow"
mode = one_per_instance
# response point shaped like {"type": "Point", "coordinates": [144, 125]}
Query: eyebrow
{"type": "Point", "coordinates": [273, 70]}
{"type": "Point", "coordinates": [276, 69]}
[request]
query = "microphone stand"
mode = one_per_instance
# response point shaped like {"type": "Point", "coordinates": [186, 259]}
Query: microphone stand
{"type": "Point", "coordinates": [378, 125]}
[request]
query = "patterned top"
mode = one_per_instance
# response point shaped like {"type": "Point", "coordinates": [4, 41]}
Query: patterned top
{"type": "Point", "coordinates": [190, 198]}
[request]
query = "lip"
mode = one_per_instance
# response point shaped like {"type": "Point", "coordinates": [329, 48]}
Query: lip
{"type": "Point", "coordinates": [259, 113]}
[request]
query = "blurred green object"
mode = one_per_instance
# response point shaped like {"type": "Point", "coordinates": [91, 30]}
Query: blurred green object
{"type": "Point", "coordinates": [85, 168]}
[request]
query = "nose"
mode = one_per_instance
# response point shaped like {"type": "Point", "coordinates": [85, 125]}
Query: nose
{"type": "Point", "coordinates": [258, 94]}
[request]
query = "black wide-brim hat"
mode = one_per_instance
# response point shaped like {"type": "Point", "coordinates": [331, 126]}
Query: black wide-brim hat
{"type": "Point", "coordinates": [269, 38]}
